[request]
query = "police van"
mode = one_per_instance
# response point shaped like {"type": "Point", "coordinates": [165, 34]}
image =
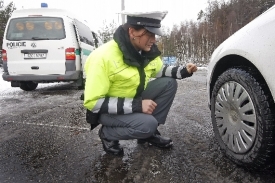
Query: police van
{"type": "Point", "coordinates": [46, 45]}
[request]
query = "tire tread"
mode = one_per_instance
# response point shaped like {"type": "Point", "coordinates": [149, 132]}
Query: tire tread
{"type": "Point", "coordinates": [262, 158]}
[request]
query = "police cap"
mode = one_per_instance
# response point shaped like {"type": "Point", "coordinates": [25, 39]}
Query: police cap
{"type": "Point", "coordinates": [149, 20]}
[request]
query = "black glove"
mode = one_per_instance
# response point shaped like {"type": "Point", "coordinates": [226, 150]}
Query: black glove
{"type": "Point", "coordinates": [184, 73]}
{"type": "Point", "coordinates": [92, 118]}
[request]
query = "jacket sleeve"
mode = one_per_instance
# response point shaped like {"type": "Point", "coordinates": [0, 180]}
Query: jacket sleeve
{"type": "Point", "coordinates": [97, 86]}
{"type": "Point", "coordinates": [177, 72]}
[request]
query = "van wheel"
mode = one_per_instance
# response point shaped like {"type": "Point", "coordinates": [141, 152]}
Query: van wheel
{"type": "Point", "coordinates": [28, 85]}
{"type": "Point", "coordinates": [242, 112]}
{"type": "Point", "coordinates": [81, 84]}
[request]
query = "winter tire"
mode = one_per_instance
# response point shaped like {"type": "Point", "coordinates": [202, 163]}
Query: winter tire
{"type": "Point", "coordinates": [242, 112]}
{"type": "Point", "coordinates": [28, 85]}
{"type": "Point", "coordinates": [80, 83]}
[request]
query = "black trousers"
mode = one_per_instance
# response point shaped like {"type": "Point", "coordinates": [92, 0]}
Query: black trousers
{"type": "Point", "coordinates": [140, 125]}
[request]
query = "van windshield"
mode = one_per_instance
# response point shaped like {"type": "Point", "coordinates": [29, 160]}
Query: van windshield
{"type": "Point", "coordinates": [35, 28]}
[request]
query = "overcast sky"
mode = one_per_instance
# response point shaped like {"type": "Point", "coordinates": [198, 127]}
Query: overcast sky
{"type": "Point", "coordinates": [96, 11]}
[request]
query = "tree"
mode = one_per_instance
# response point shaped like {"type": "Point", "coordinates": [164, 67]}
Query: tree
{"type": "Point", "coordinates": [5, 14]}
{"type": "Point", "coordinates": [107, 31]}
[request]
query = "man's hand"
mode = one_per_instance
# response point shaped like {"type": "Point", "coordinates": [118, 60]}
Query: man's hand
{"type": "Point", "coordinates": [191, 68]}
{"type": "Point", "coordinates": [148, 106]}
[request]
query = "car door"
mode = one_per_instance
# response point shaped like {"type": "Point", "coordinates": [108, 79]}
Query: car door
{"type": "Point", "coordinates": [86, 41]}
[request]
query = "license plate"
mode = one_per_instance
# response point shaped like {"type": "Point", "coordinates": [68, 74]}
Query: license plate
{"type": "Point", "coordinates": [35, 55]}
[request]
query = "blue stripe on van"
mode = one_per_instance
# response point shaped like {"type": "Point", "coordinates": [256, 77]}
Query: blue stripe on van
{"type": "Point", "coordinates": [77, 52]}
{"type": "Point", "coordinates": [84, 51]}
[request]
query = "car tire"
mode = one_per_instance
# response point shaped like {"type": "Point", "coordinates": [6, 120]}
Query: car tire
{"type": "Point", "coordinates": [242, 112]}
{"type": "Point", "coordinates": [80, 83]}
{"type": "Point", "coordinates": [28, 85]}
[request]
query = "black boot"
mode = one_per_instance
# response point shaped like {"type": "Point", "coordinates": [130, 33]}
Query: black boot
{"type": "Point", "coordinates": [143, 141]}
{"type": "Point", "coordinates": [157, 140]}
{"type": "Point", "coordinates": [110, 146]}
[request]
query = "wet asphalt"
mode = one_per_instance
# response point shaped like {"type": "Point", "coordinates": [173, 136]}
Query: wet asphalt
{"type": "Point", "coordinates": [44, 138]}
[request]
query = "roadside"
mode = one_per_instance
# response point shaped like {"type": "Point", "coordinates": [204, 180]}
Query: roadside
{"type": "Point", "coordinates": [44, 138]}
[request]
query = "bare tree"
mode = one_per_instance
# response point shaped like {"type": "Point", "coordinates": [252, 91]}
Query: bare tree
{"type": "Point", "coordinates": [107, 31]}
{"type": "Point", "coordinates": [195, 41]}
{"type": "Point", "coordinates": [5, 14]}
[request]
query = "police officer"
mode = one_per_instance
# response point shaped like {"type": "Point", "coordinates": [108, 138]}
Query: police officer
{"type": "Point", "coordinates": [118, 91]}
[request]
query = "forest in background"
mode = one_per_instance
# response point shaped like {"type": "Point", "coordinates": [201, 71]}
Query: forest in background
{"type": "Point", "coordinates": [5, 14]}
{"type": "Point", "coordinates": [195, 41]}
{"type": "Point", "coordinates": [190, 41]}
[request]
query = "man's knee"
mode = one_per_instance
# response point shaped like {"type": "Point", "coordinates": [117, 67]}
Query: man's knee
{"type": "Point", "coordinates": [172, 83]}
{"type": "Point", "coordinates": [148, 128]}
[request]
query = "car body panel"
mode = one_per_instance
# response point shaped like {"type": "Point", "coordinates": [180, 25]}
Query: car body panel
{"type": "Point", "coordinates": [246, 42]}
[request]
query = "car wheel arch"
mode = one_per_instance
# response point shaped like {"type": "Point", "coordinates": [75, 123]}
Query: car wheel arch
{"type": "Point", "coordinates": [228, 62]}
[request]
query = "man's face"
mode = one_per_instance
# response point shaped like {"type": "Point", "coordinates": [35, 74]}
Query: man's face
{"type": "Point", "coordinates": [142, 39]}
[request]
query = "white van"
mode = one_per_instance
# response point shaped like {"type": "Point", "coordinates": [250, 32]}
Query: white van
{"type": "Point", "coordinates": [46, 45]}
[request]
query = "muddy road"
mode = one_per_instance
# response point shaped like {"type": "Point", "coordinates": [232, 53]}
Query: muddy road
{"type": "Point", "coordinates": [44, 138]}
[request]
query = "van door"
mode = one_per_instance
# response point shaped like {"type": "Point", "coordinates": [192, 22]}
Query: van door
{"type": "Point", "coordinates": [98, 41]}
{"type": "Point", "coordinates": [86, 42]}
{"type": "Point", "coordinates": [33, 45]}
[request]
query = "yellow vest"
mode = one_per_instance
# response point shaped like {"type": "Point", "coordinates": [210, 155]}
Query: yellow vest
{"type": "Point", "coordinates": [108, 75]}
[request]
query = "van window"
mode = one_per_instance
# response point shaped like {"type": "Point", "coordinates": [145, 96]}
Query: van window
{"type": "Point", "coordinates": [35, 28]}
{"type": "Point", "coordinates": [85, 33]}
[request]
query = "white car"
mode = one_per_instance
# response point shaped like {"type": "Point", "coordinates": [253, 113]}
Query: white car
{"type": "Point", "coordinates": [241, 93]}
{"type": "Point", "coordinates": [45, 45]}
